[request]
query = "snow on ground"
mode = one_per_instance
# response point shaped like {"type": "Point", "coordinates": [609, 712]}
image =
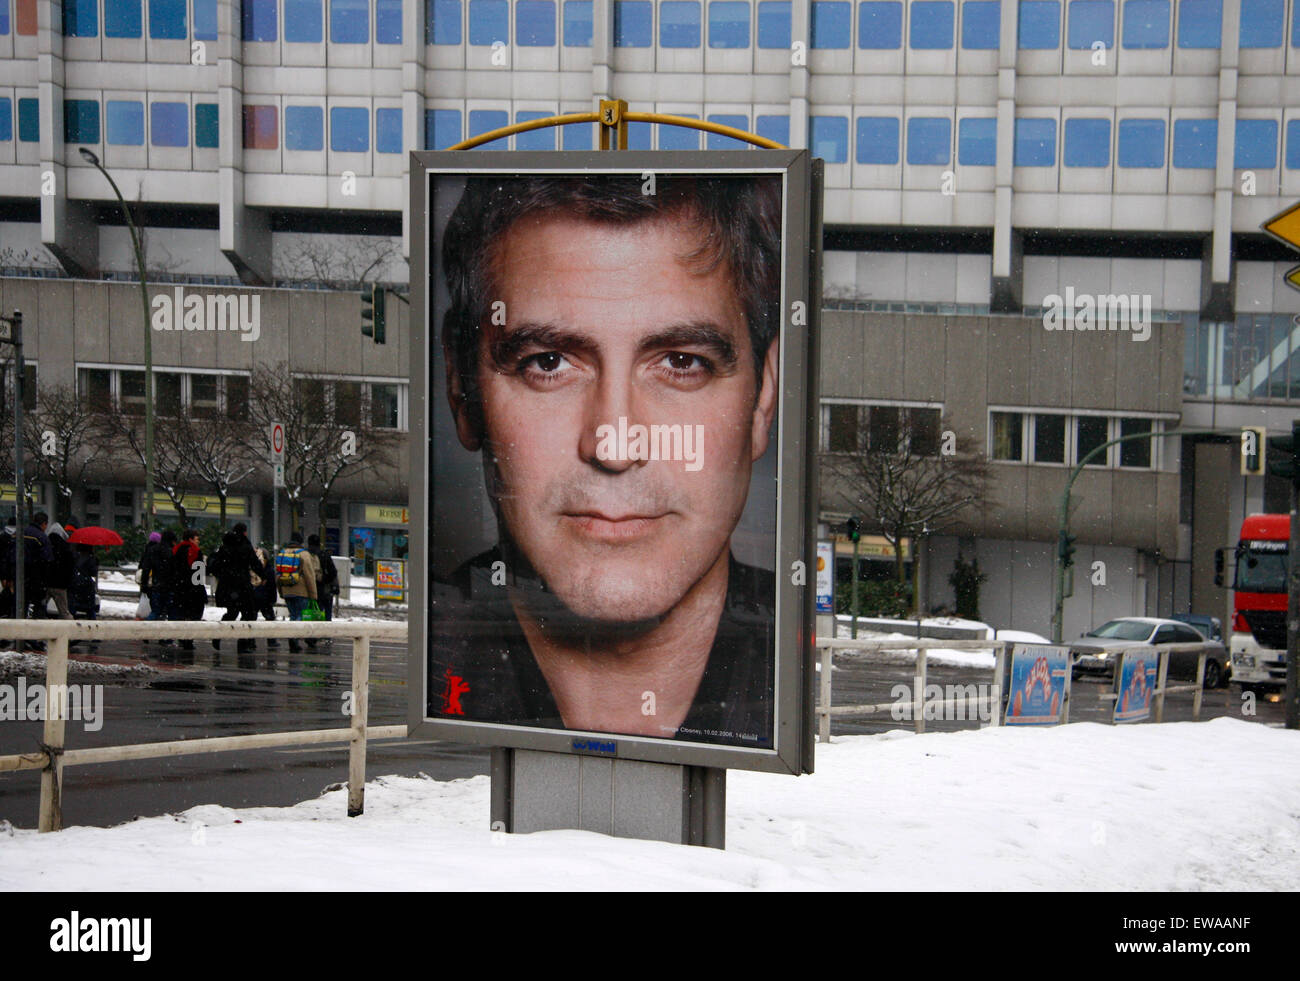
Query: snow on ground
{"type": "Point", "coordinates": [31, 665]}
{"type": "Point", "coordinates": [1020, 636]}
{"type": "Point", "coordinates": [979, 658]}
{"type": "Point", "coordinates": [1079, 807]}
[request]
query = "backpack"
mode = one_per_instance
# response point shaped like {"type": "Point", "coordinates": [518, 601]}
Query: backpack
{"type": "Point", "coordinates": [288, 567]}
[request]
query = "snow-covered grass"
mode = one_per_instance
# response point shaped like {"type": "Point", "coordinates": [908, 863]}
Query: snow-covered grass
{"type": "Point", "coordinates": [1079, 807]}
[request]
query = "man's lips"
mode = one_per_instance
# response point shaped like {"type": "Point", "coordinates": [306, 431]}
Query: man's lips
{"type": "Point", "coordinates": [612, 528]}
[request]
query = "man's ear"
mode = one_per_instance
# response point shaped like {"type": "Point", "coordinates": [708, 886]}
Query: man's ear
{"type": "Point", "coordinates": [765, 404]}
{"type": "Point", "coordinates": [468, 422]}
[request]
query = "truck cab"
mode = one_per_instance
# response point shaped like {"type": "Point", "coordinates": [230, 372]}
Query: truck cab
{"type": "Point", "coordinates": [1259, 601]}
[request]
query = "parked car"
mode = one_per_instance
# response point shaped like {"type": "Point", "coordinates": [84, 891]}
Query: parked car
{"type": "Point", "coordinates": [1211, 627]}
{"type": "Point", "coordinates": [1096, 651]}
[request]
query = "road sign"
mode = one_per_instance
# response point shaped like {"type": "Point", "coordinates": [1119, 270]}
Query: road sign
{"type": "Point", "coordinates": [279, 475]}
{"type": "Point", "coordinates": [276, 437]}
{"type": "Point", "coordinates": [1285, 228]}
{"type": "Point", "coordinates": [6, 332]}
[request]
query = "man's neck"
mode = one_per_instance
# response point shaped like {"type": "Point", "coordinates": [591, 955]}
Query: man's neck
{"type": "Point", "coordinates": [641, 685]}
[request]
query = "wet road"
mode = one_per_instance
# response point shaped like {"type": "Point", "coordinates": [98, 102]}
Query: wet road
{"type": "Point", "coordinates": [219, 694]}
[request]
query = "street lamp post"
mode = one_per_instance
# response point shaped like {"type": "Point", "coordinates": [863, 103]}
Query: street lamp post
{"type": "Point", "coordinates": [11, 332]}
{"type": "Point", "coordinates": [93, 160]}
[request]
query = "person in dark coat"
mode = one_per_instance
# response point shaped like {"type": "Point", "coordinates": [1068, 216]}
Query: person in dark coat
{"type": "Point", "coordinates": [59, 579]}
{"type": "Point", "coordinates": [38, 557]}
{"type": "Point", "coordinates": [153, 573]}
{"type": "Point", "coordinates": [264, 591]}
{"type": "Point", "coordinates": [327, 580]}
{"type": "Point", "coordinates": [83, 592]}
{"type": "Point", "coordinates": [234, 564]}
{"type": "Point", "coordinates": [188, 597]}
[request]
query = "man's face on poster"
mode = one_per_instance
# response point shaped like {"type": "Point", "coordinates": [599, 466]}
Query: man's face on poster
{"type": "Point", "coordinates": [605, 328]}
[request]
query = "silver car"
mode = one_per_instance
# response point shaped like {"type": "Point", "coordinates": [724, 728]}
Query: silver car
{"type": "Point", "coordinates": [1095, 652]}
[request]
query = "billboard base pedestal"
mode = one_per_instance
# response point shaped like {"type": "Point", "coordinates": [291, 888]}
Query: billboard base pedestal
{"type": "Point", "coordinates": [540, 791]}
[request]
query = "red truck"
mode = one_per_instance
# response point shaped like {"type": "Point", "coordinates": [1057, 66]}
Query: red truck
{"type": "Point", "coordinates": [1259, 598]}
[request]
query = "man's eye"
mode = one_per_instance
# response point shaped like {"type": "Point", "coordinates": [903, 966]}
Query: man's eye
{"type": "Point", "coordinates": [679, 361]}
{"type": "Point", "coordinates": [547, 362]}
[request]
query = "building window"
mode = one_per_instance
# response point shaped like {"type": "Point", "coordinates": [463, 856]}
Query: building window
{"type": "Point", "coordinates": [388, 21]}
{"type": "Point", "coordinates": [931, 25]}
{"type": "Point", "coordinates": [259, 20]}
{"type": "Point", "coordinates": [205, 396]}
{"type": "Point", "coordinates": [205, 125]}
{"type": "Point", "coordinates": [167, 400]}
{"type": "Point", "coordinates": [29, 121]}
{"type": "Point", "coordinates": [981, 25]}
{"type": "Point", "coordinates": [6, 120]}
{"type": "Point", "coordinates": [205, 20]}
{"type": "Point", "coordinates": [4, 18]}
{"type": "Point", "coordinates": [236, 391]}
{"type": "Point", "coordinates": [842, 428]}
{"type": "Point", "coordinates": [1049, 439]}
{"type": "Point", "coordinates": [880, 25]}
{"type": "Point", "coordinates": [441, 128]}
{"type": "Point", "coordinates": [388, 130]}
{"type": "Point", "coordinates": [1261, 23]}
{"type": "Point", "coordinates": [884, 429]}
{"type": "Point", "coordinates": [1090, 433]}
{"type": "Point", "coordinates": [349, 129]}
{"type": "Point", "coordinates": [977, 141]}
{"type": "Point", "coordinates": [576, 136]}
{"type": "Point", "coordinates": [130, 392]}
{"type": "Point", "coordinates": [728, 24]}
{"type": "Point", "coordinates": [1040, 24]}
{"type": "Point", "coordinates": [347, 403]}
{"type": "Point", "coordinates": [831, 24]}
{"type": "Point", "coordinates": [1091, 21]}
{"type": "Point", "coordinates": [829, 137]}
{"type": "Point", "coordinates": [1200, 23]}
{"type": "Point", "coordinates": [261, 126]}
{"type": "Point", "coordinates": [304, 128]}
{"type": "Point", "coordinates": [80, 18]}
{"type": "Point", "coordinates": [384, 403]}
{"type": "Point", "coordinates": [123, 18]}
{"type": "Point", "coordinates": [349, 22]}
{"type": "Point", "coordinates": [1035, 142]}
{"type": "Point", "coordinates": [638, 136]}
{"type": "Point", "coordinates": [1256, 144]}
{"type": "Point", "coordinates": [80, 121]}
{"type": "Point", "coordinates": [1137, 452]}
{"type": "Point", "coordinates": [923, 432]}
{"type": "Point", "coordinates": [679, 137]}
{"type": "Point", "coordinates": [124, 122]}
{"type": "Point", "coordinates": [632, 23]}
{"type": "Point", "coordinates": [1141, 143]}
{"type": "Point", "coordinates": [1293, 145]}
{"type": "Point", "coordinates": [774, 24]}
{"type": "Point", "coordinates": [535, 23]}
{"type": "Point", "coordinates": [167, 20]}
{"type": "Point", "coordinates": [778, 128]}
{"type": "Point", "coordinates": [679, 24]}
{"type": "Point", "coordinates": [1196, 143]}
{"type": "Point", "coordinates": [169, 124]}
{"type": "Point", "coordinates": [1087, 142]}
{"type": "Point", "coordinates": [1007, 436]}
{"type": "Point", "coordinates": [442, 22]}
{"type": "Point", "coordinates": [577, 23]}
{"type": "Point", "coordinates": [97, 388]}
{"type": "Point", "coordinates": [1146, 24]}
{"type": "Point", "coordinates": [484, 121]}
{"type": "Point", "coordinates": [534, 139]}
{"type": "Point", "coordinates": [716, 141]}
{"type": "Point", "coordinates": [929, 141]}
{"type": "Point", "coordinates": [489, 21]}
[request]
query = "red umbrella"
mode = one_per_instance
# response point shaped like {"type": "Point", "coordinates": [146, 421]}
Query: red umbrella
{"type": "Point", "coordinates": [94, 535]}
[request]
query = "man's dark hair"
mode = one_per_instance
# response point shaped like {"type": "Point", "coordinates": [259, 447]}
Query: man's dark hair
{"type": "Point", "coordinates": [295, 538]}
{"type": "Point", "coordinates": [313, 542]}
{"type": "Point", "coordinates": [40, 518]}
{"type": "Point", "coordinates": [738, 218]}
{"type": "Point", "coordinates": [189, 533]}
{"type": "Point", "coordinates": [168, 537]}
{"type": "Point", "coordinates": [240, 529]}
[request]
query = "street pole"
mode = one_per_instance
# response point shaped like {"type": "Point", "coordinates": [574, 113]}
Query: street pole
{"type": "Point", "coordinates": [90, 158]}
{"type": "Point", "coordinates": [1293, 590]}
{"type": "Point", "coordinates": [854, 606]}
{"type": "Point", "coordinates": [13, 328]}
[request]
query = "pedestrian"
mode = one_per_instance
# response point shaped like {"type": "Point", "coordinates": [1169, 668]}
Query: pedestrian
{"type": "Point", "coordinates": [232, 564]}
{"type": "Point", "coordinates": [83, 591]}
{"type": "Point", "coordinates": [327, 580]}
{"type": "Point", "coordinates": [38, 557]}
{"type": "Point", "coordinates": [153, 574]}
{"type": "Point", "coordinates": [60, 574]}
{"type": "Point", "coordinates": [189, 594]}
{"type": "Point", "coordinates": [8, 573]}
{"type": "Point", "coordinates": [264, 594]}
{"type": "Point", "coordinates": [295, 577]}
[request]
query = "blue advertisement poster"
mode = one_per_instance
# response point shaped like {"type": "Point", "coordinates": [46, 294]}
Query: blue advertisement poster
{"type": "Point", "coordinates": [1137, 682]}
{"type": "Point", "coordinates": [825, 577]}
{"type": "Point", "coordinates": [1036, 693]}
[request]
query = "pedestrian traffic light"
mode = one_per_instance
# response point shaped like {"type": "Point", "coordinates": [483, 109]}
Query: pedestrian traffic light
{"type": "Point", "coordinates": [1065, 548]}
{"type": "Point", "coordinates": [372, 312]}
{"type": "Point", "coordinates": [1253, 441]}
{"type": "Point", "coordinates": [1279, 459]}
{"type": "Point", "coordinates": [851, 526]}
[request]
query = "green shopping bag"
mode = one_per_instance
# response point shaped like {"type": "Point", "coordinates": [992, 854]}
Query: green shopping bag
{"type": "Point", "coordinates": [313, 611]}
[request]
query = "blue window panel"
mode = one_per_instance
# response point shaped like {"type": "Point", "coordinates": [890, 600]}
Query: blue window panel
{"type": "Point", "coordinates": [1295, 25]}
{"type": "Point", "coordinates": [1035, 141]}
{"type": "Point", "coordinates": [880, 25]}
{"type": "Point", "coordinates": [1146, 24]}
{"type": "Point", "coordinates": [1200, 23]}
{"type": "Point", "coordinates": [167, 20]}
{"type": "Point", "coordinates": [489, 20]}
{"type": "Point", "coordinates": [441, 128]}
{"type": "Point", "coordinates": [639, 135]}
{"type": "Point", "coordinates": [678, 137]}
{"type": "Point", "coordinates": [931, 25]}
{"type": "Point", "coordinates": [981, 25]}
{"type": "Point", "coordinates": [259, 20]}
{"type": "Point", "coordinates": [774, 128]}
{"type": "Point", "coordinates": [442, 22]}
{"type": "Point", "coordinates": [534, 139]}
{"type": "Point", "coordinates": [1087, 142]}
{"type": "Point", "coordinates": [124, 123]}
{"type": "Point", "coordinates": [877, 140]}
{"type": "Point", "coordinates": [977, 142]}
{"type": "Point", "coordinates": [6, 119]}
{"type": "Point", "coordinates": [1040, 25]}
{"type": "Point", "coordinates": [388, 130]}
{"type": "Point", "coordinates": [4, 26]}
{"type": "Point", "coordinates": [716, 141]}
{"type": "Point", "coordinates": [774, 24]}
{"type": "Point", "coordinates": [29, 121]}
{"type": "Point", "coordinates": [304, 21]}
{"type": "Point", "coordinates": [1141, 143]}
{"type": "Point", "coordinates": [1261, 23]}
{"type": "Point", "coordinates": [929, 141]}
{"type": "Point", "coordinates": [205, 20]}
{"type": "Point", "coordinates": [632, 24]}
{"type": "Point", "coordinates": [169, 124]}
{"type": "Point", "coordinates": [205, 125]}
{"type": "Point", "coordinates": [80, 18]}
{"type": "Point", "coordinates": [1293, 145]}
{"type": "Point", "coordinates": [388, 21]}
{"type": "Point", "coordinates": [829, 137]}
{"type": "Point", "coordinates": [831, 24]}
{"type": "Point", "coordinates": [304, 128]}
{"type": "Point", "coordinates": [576, 136]}
{"type": "Point", "coordinates": [728, 24]}
{"type": "Point", "coordinates": [349, 129]}
{"type": "Point", "coordinates": [1196, 143]}
{"type": "Point", "coordinates": [124, 18]}
{"type": "Point", "coordinates": [535, 23]}
{"type": "Point", "coordinates": [80, 121]}
{"type": "Point", "coordinates": [349, 21]}
{"type": "Point", "coordinates": [679, 24]}
{"type": "Point", "coordinates": [1090, 21]}
{"type": "Point", "coordinates": [484, 121]}
{"type": "Point", "coordinates": [577, 23]}
{"type": "Point", "coordinates": [1255, 145]}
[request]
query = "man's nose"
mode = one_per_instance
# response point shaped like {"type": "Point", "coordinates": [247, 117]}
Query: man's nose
{"type": "Point", "coordinates": [606, 432]}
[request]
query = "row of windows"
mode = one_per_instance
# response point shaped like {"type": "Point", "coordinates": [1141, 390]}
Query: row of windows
{"type": "Point", "coordinates": [1058, 438]}
{"type": "Point", "coordinates": [444, 127]}
{"type": "Point", "coordinates": [166, 19]}
{"type": "Point", "coordinates": [1139, 143]}
{"type": "Point", "coordinates": [855, 427]}
{"type": "Point", "coordinates": [304, 129]}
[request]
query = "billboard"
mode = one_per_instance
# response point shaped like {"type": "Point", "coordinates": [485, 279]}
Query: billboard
{"type": "Point", "coordinates": [1135, 682]}
{"type": "Point", "coordinates": [612, 454]}
{"type": "Point", "coordinates": [825, 577]}
{"type": "Point", "coordinates": [1036, 692]}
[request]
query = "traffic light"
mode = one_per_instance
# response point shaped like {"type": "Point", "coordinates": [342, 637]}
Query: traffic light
{"type": "Point", "coordinates": [372, 312]}
{"type": "Point", "coordinates": [851, 526]}
{"type": "Point", "coordinates": [1253, 442]}
{"type": "Point", "coordinates": [1065, 547]}
{"type": "Point", "coordinates": [1280, 458]}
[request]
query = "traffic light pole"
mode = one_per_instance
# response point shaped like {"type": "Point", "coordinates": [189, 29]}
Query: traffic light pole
{"type": "Point", "coordinates": [1293, 591]}
{"type": "Point", "coordinates": [11, 331]}
{"type": "Point", "coordinates": [854, 606]}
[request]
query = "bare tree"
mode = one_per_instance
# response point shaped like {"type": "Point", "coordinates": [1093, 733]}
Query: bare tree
{"type": "Point", "coordinates": [217, 453]}
{"type": "Point", "coordinates": [64, 438]}
{"type": "Point", "coordinates": [8, 459]}
{"type": "Point", "coordinates": [342, 262]}
{"type": "Point", "coordinates": [172, 471]}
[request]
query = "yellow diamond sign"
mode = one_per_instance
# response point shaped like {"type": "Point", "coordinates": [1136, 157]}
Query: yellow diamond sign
{"type": "Point", "coordinates": [1285, 228]}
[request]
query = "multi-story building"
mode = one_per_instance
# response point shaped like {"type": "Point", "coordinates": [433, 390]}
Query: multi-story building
{"type": "Point", "coordinates": [985, 159]}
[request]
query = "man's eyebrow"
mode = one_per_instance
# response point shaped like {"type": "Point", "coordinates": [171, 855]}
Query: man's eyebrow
{"type": "Point", "coordinates": [701, 334]}
{"type": "Point", "coordinates": [505, 346]}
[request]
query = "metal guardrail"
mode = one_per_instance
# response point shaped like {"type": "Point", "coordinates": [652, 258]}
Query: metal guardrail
{"type": "Point", "coordinates": [53, 757]}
